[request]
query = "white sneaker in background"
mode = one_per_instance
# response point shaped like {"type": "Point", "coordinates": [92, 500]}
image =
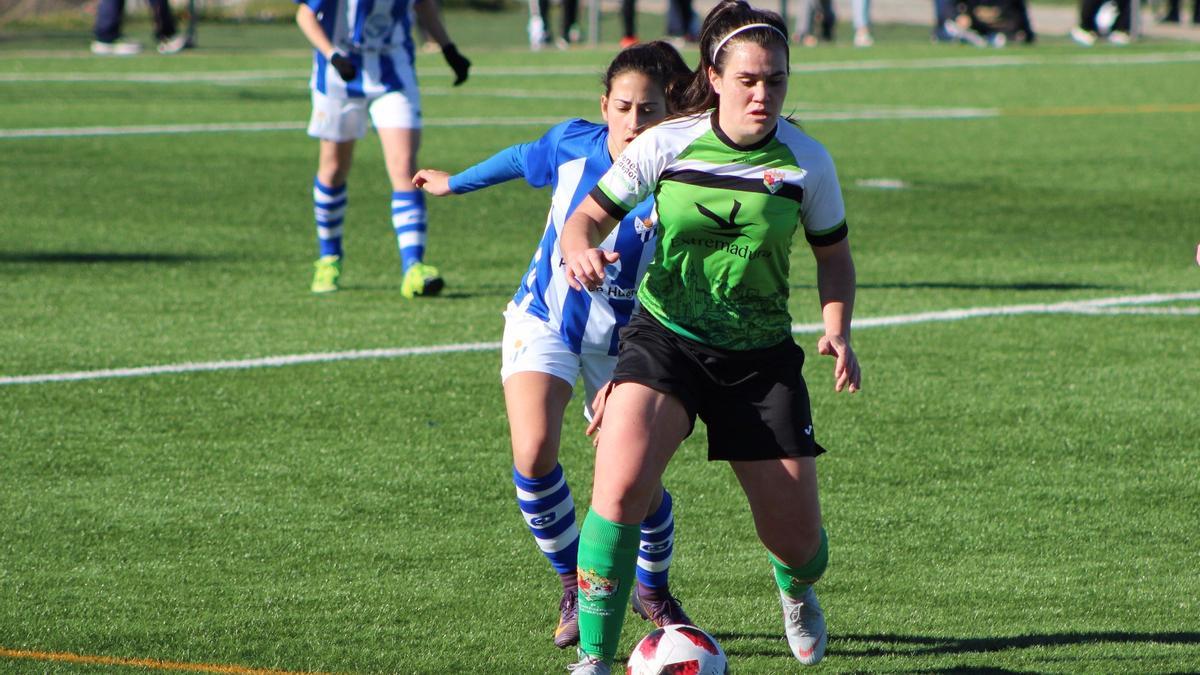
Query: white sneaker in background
{"type": "Point", "coordinates": [1083, 37]}
{"type": "Point", "coordinates": [116, 48]}
{"type": "Point", "coordinates": [173, 45]}
{"type": "Point", "coordinates": [1119, 38]}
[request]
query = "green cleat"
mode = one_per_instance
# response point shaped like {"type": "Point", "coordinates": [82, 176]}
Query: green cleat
{"type": "Point", "coordinates": [421, 279]}
{"type": "Point", "coordinates": [325, 279]}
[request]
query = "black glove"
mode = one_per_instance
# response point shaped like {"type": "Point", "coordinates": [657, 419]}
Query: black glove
{"type": "Point", "coordinates": [458, 63]}
{"type": "Point", "coordinates": [344, 66]}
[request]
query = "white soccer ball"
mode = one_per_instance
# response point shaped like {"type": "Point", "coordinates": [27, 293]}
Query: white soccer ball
{"type": "Point", "coordinates": [677, 650]}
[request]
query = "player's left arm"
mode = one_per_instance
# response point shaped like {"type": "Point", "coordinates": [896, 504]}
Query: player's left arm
{"type": "Point", "coordinates": [836, 285]}
{"type": "Point", "coordinates": [427, 14]}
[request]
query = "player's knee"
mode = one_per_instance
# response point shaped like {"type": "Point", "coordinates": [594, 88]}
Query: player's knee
{"type": "Point", "coordinates": [535, 458]}
{"type": "Point", "coordinates": [623, 499]}
{"type": "Point", "coordinates": [794, 540]}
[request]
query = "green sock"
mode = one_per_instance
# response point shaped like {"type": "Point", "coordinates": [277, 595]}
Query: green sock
{"type": "Point", "coordinates": [794, 581]}
{"type": "Point", "coordinates": [607, 556]}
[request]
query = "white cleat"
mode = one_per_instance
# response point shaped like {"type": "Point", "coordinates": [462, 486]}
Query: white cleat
{"type": "Point", "coordinates": [589, 665]}
{"type": "Point", "coordinates": [804, 623]}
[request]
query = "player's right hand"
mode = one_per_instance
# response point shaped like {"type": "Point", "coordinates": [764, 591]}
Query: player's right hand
{"type": "Point", "coordinates": [585, 270]}
{"type": "Point", "coordinates": [436, 183]}
{"type": "Point", "coordinates": [344, 66]}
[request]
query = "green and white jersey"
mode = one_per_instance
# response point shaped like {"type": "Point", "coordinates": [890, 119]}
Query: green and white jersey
{"type": "Point", "coordinates": [726, 218]}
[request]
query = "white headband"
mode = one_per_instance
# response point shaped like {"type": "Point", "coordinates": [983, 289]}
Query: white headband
{"type": "Point", "coordinates": [716, 50]}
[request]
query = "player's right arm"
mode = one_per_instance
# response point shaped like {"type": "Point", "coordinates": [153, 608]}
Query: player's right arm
{"type": "Point", "coordinates": [306, 19]}
{"type": "Point", "coordinates": [581, 237]}
{"type": "Point", "coordinates": [499, 168]}
{"type": "Point", "coordinates": [536, 162]}
{"type": "Point", "coordinates": [630, 180]}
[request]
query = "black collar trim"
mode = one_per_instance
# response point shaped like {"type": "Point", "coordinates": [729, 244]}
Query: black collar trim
{"type": "Point", "coordinates": [757, 145]}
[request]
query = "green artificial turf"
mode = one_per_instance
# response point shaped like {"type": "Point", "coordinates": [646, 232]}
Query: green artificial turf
{"type": "Point", "coordinates": [1007, 494]}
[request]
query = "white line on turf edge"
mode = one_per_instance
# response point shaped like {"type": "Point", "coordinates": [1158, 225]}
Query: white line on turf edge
{"type": "Point", "coordinates": [1113, 305]}
{"type": "Point", "coordinates": [301, 74]}
{"type": "Point", "coordinates": [61, 132]}
{"type": "Point", "coordinates": [266, 362]}
{"type": "Point", "coordinates": [1096, 306]}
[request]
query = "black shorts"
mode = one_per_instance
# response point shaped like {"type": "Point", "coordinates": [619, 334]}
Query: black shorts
{"type": "Point", "coordinates": [754, 402]}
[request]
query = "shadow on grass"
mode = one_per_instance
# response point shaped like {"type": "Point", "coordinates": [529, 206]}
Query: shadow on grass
{"type": "Point", "coordinates": [933, 645]}
{"type": "Point", "coordinates": [918, 645]}
{"type": "Point", "coordinates": [967, 286]}
{"type": "Point", "coordinates": [82, 258]}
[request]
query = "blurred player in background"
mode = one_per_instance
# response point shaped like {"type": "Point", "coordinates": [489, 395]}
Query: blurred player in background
{"type": "Point", "coordinates": [553, 334]}
{"type": "Point", "coordinates": [363, 65]}
{"type": "Point", "coordinates": [734, 185]}
{"type": "Point", "coordinates": [540, 34]}
{"type": "Point", "coordinates": [110, 14]}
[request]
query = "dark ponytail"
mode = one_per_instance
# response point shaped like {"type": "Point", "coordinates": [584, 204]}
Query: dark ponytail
{"type": "Point", "coordinates": [658, 61]}
{"type": "Point", "coordinates": [726, 17]}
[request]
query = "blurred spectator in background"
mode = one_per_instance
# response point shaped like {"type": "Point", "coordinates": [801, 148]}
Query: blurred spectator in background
{"type": "Point", "coordinates": [815, 21]}
{"type": "Point", "coordinates": [990, 22]}
{"type": "Point", "coordinates": [943, 11]}
{"type": "Point", "coordinates": [1172, 15]}
{"type": "Point", "coordinates": [629, 23]}
{"type": "Point", "coordinates": [862, 23]}
{"type": "Point", "coordinates": [539, 24]}
{"type": "Point", "coordinates": [1087, 32]}
{"type": "Point", "coordinates": [107, 30]}
{"type": "Point", "coordinates": [683, 24]}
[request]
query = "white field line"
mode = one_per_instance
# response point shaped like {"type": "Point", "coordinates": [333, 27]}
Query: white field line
{"type": "Point", "coordinates": [856, 113]}
{"type": "Point", "coordinates": [1154, 58]}
{"type": "Point", "coordinates": [1113, 305]}
{"type": "Point", "coordinates": [266, 362]}
{"type": "Point", "coordinates": [151, 129]}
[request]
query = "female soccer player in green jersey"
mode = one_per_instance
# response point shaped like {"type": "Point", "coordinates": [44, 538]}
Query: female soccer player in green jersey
{"type": "Point", "coordinates": [732, 182]}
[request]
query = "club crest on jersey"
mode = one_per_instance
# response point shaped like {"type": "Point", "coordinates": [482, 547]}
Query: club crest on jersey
{"type": "Point", "coordinates": [773, 179]}
{"type": "Point", "coordinates": [643, 228]}
{"type": "Point", "coordinates": [595, 587]}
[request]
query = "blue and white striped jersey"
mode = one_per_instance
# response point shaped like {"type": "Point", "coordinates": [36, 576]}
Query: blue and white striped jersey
{"type": "Point", "coordinates": [570, 158]}
{"type": "Point", "coordinates": [375, 34]}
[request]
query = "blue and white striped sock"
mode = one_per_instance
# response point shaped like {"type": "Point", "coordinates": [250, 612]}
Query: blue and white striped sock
{"type": "Point", "coordinates": [329, 210]}
{"type": "Point", "coordinates": [408, 221]}
{"type": "Point", "coordinates": [657, 545]}
{"type": "Point", "coordinates": [549, 512]}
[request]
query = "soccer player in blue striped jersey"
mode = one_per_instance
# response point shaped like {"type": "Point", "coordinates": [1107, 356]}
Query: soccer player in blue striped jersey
{"type": "Point", "coordinates": [553, 334]}
{"type": "Point", "coordinates": [363, 66]}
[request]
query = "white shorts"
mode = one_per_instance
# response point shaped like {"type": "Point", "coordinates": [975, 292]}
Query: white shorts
{"type": "Point", "coordinates": [345, 119]}
{"type": "Point", "coordinates": [532, 346]}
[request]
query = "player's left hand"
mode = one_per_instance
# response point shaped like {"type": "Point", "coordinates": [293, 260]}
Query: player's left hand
{"type": "Point", "coordinates": [846, 373]}
{"type": "Point", "coordinates": [344, 66]}
{"type": "Point", "coordinates": [458, 63]}
{"type": "Point", "coordinates": [598, 412]}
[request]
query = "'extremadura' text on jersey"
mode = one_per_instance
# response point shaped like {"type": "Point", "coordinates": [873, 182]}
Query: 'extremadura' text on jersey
{"type": "Point", "coordinates": [726, 217]}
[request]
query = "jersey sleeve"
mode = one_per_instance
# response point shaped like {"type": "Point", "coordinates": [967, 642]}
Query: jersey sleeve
{"type": "Point", "coordinates": [823, 213]}
{"type": "Point", "coordinates": [503, 166]}
{"type": "Point", "coordinates": [633, 176]}
{"type": "Point", "coordinates": [315, 5]}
